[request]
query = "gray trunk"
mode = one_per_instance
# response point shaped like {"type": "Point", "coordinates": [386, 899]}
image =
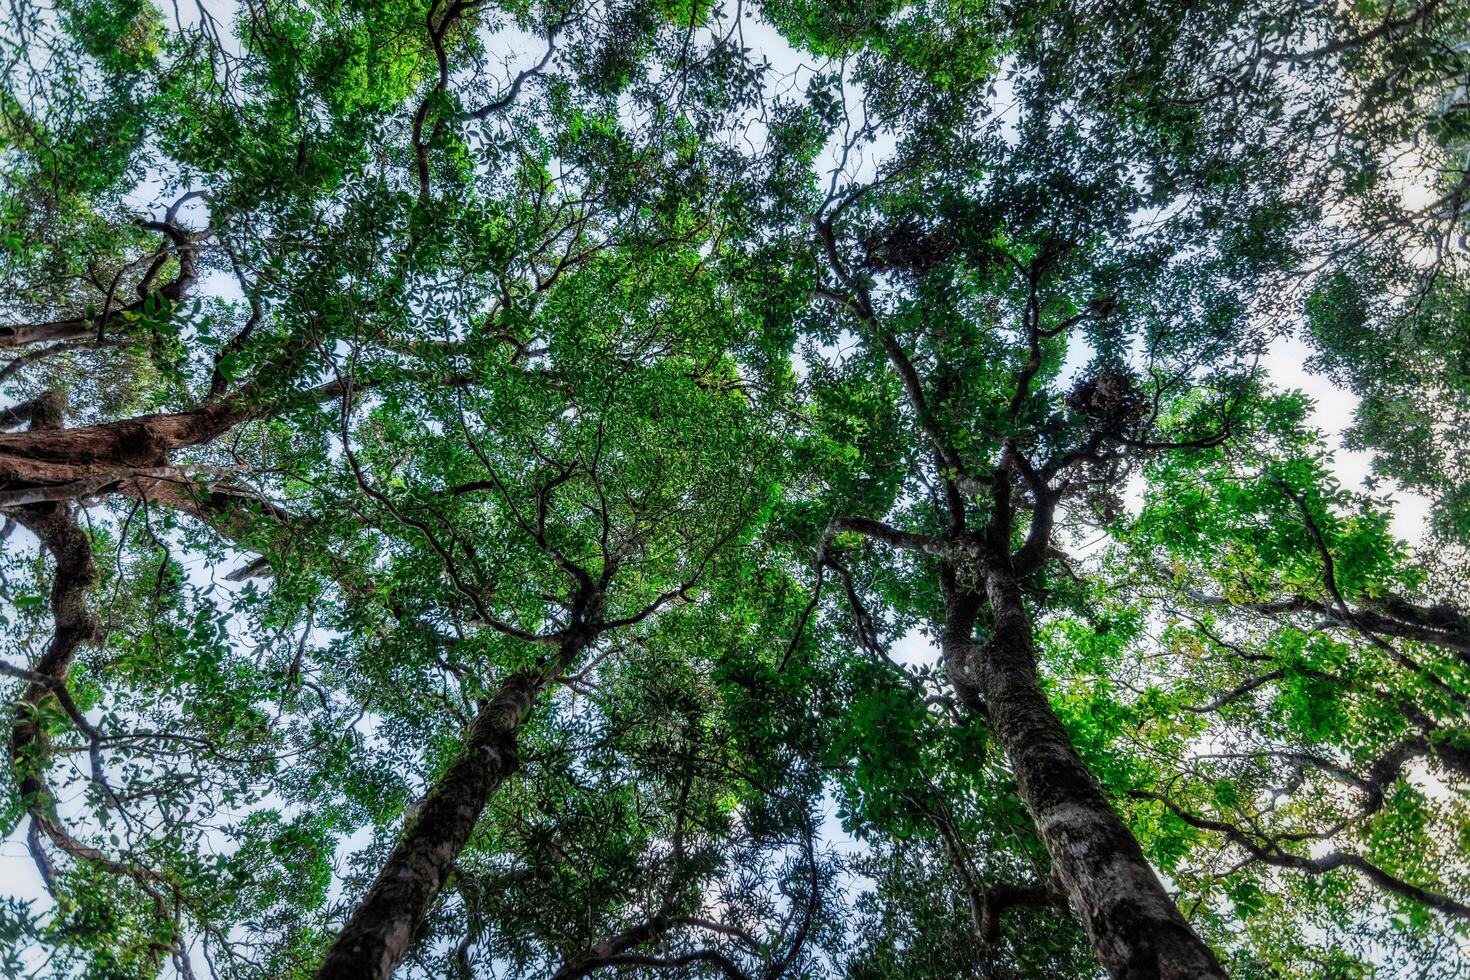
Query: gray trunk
{"type": "Point", "coordinates": [1135, 927]}
{"type": "Point", "coordinates": [381, 930]}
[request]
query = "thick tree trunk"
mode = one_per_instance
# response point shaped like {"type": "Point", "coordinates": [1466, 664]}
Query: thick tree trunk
{"type": "Point", "coordinates": [381, 930]}
{"type": "Point", "coordinates": [1135, 928]}
{"type": "Point", "coordinates": [116, 449]}
{"type": "Point", "coordinates": [57, 528]}
{"type": "Point", "coordinates": [95, 457]}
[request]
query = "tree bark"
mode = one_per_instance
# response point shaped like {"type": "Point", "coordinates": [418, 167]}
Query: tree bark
{"type": "Point", "coordinates": [381, 930]}
{"type": "Point", "coordinates": [21, 334]}
{"type": "Point", "coordinates": [57, 528]}
{"type": "Point", "coordinates": [1136, 929]}
{"type": "Point", "coordinates": [38, 458]}
{"type": "Point", "coordinates": [96, 456]}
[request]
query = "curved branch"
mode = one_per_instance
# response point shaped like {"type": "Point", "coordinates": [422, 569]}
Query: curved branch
{"type": "Point", "coordinates": [1270, 853]}
{"type": "Point", "coordinates": [1390, 27]}
{"type": "Point", "coordinates": [1235, 693]}
{"type": "Point", "coordinates": [888, 534]}
{"type": "Point", "coordinates": [1001, 897]}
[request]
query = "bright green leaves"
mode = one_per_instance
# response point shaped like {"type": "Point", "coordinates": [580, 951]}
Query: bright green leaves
{"type": "Point", "coordinates": [1089, 662]}
{"type": "Point", "coordinates": [950, 42]}
{"type": "Point", "coordinates": [888, 783]}
{"type": "Point", "coordinates": [288, 861]}
{"type": "Point", "coordinates": [685, 12]}
{"type": "Point", "coordinates": [1283, 708]}
{"type": "Point", "coordinates": [491, 340]}
{"type": "Point", "coordinates": [1271, 520]}
{"type": "Point", "coordinates": [371, 59]}
{"type": "Point", "coordinates": [125, 36]}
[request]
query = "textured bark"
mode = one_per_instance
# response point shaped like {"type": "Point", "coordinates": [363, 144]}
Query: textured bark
{"type": "Point", "coordinates": [38, 458]}
{"type": "Point", "coordinates": [98, 458]}
{"type": "Point", "coordinates": [1004, 896]}
{"type": "Point", "coordinates": [43, 411]}
{"type": "Point", "coordinates": [57, 528]}
{"type": "Point", "coordinates": [21, 334]}
{"type": "Point", "coordinates": [381, 929]}
{"type": "Point", "coordinates": [1136, 930]}
{"type": "Point", "coordinates": [55, 524]}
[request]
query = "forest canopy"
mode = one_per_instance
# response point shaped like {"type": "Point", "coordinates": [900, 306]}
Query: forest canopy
{"type": "Point", "coordinates": [668, 488]}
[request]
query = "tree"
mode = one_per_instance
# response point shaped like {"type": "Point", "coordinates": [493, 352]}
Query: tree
{"type": "Point", "coordinates": [965, 265]}
{"type": "Point", "coordinates": [478, 510]}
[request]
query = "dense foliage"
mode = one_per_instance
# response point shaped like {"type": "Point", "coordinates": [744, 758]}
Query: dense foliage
{"type": "Point", "coordinates": [667, 488]}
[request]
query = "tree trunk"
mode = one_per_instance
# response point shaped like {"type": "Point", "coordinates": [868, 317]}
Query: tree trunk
{"type": "Point", "coordinates": [57, 528]}
{"type": "Point", "coordinates": [382, 928]}
{"type": "Point", "coordinates": [55, 456]}
{"type": "Point", "coordinates": [1136, 929]}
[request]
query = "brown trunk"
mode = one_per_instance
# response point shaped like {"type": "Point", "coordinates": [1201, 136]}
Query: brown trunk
{"type": "Point", "coordinates": [84, 327]}
{"type": "Point", "coordinates": [1135, 928]}
{"type": "Point", "coordinates": [19, 335]}
{"type": "Point", "coordinates": [59, 532]}
{"type": "Point", "coordinates": [35, 458]}
{"type": "Point", "coordinates": [382, 928]}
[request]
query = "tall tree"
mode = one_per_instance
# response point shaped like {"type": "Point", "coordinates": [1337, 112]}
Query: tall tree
{"type": "Point", "coordinates": [541, 489]}
{"type": "Point", "coordinates": [994, 246]}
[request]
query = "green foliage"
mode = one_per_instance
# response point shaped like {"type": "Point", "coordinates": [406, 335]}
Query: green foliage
{"type": "Point", "coordinates": [392, 351]}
